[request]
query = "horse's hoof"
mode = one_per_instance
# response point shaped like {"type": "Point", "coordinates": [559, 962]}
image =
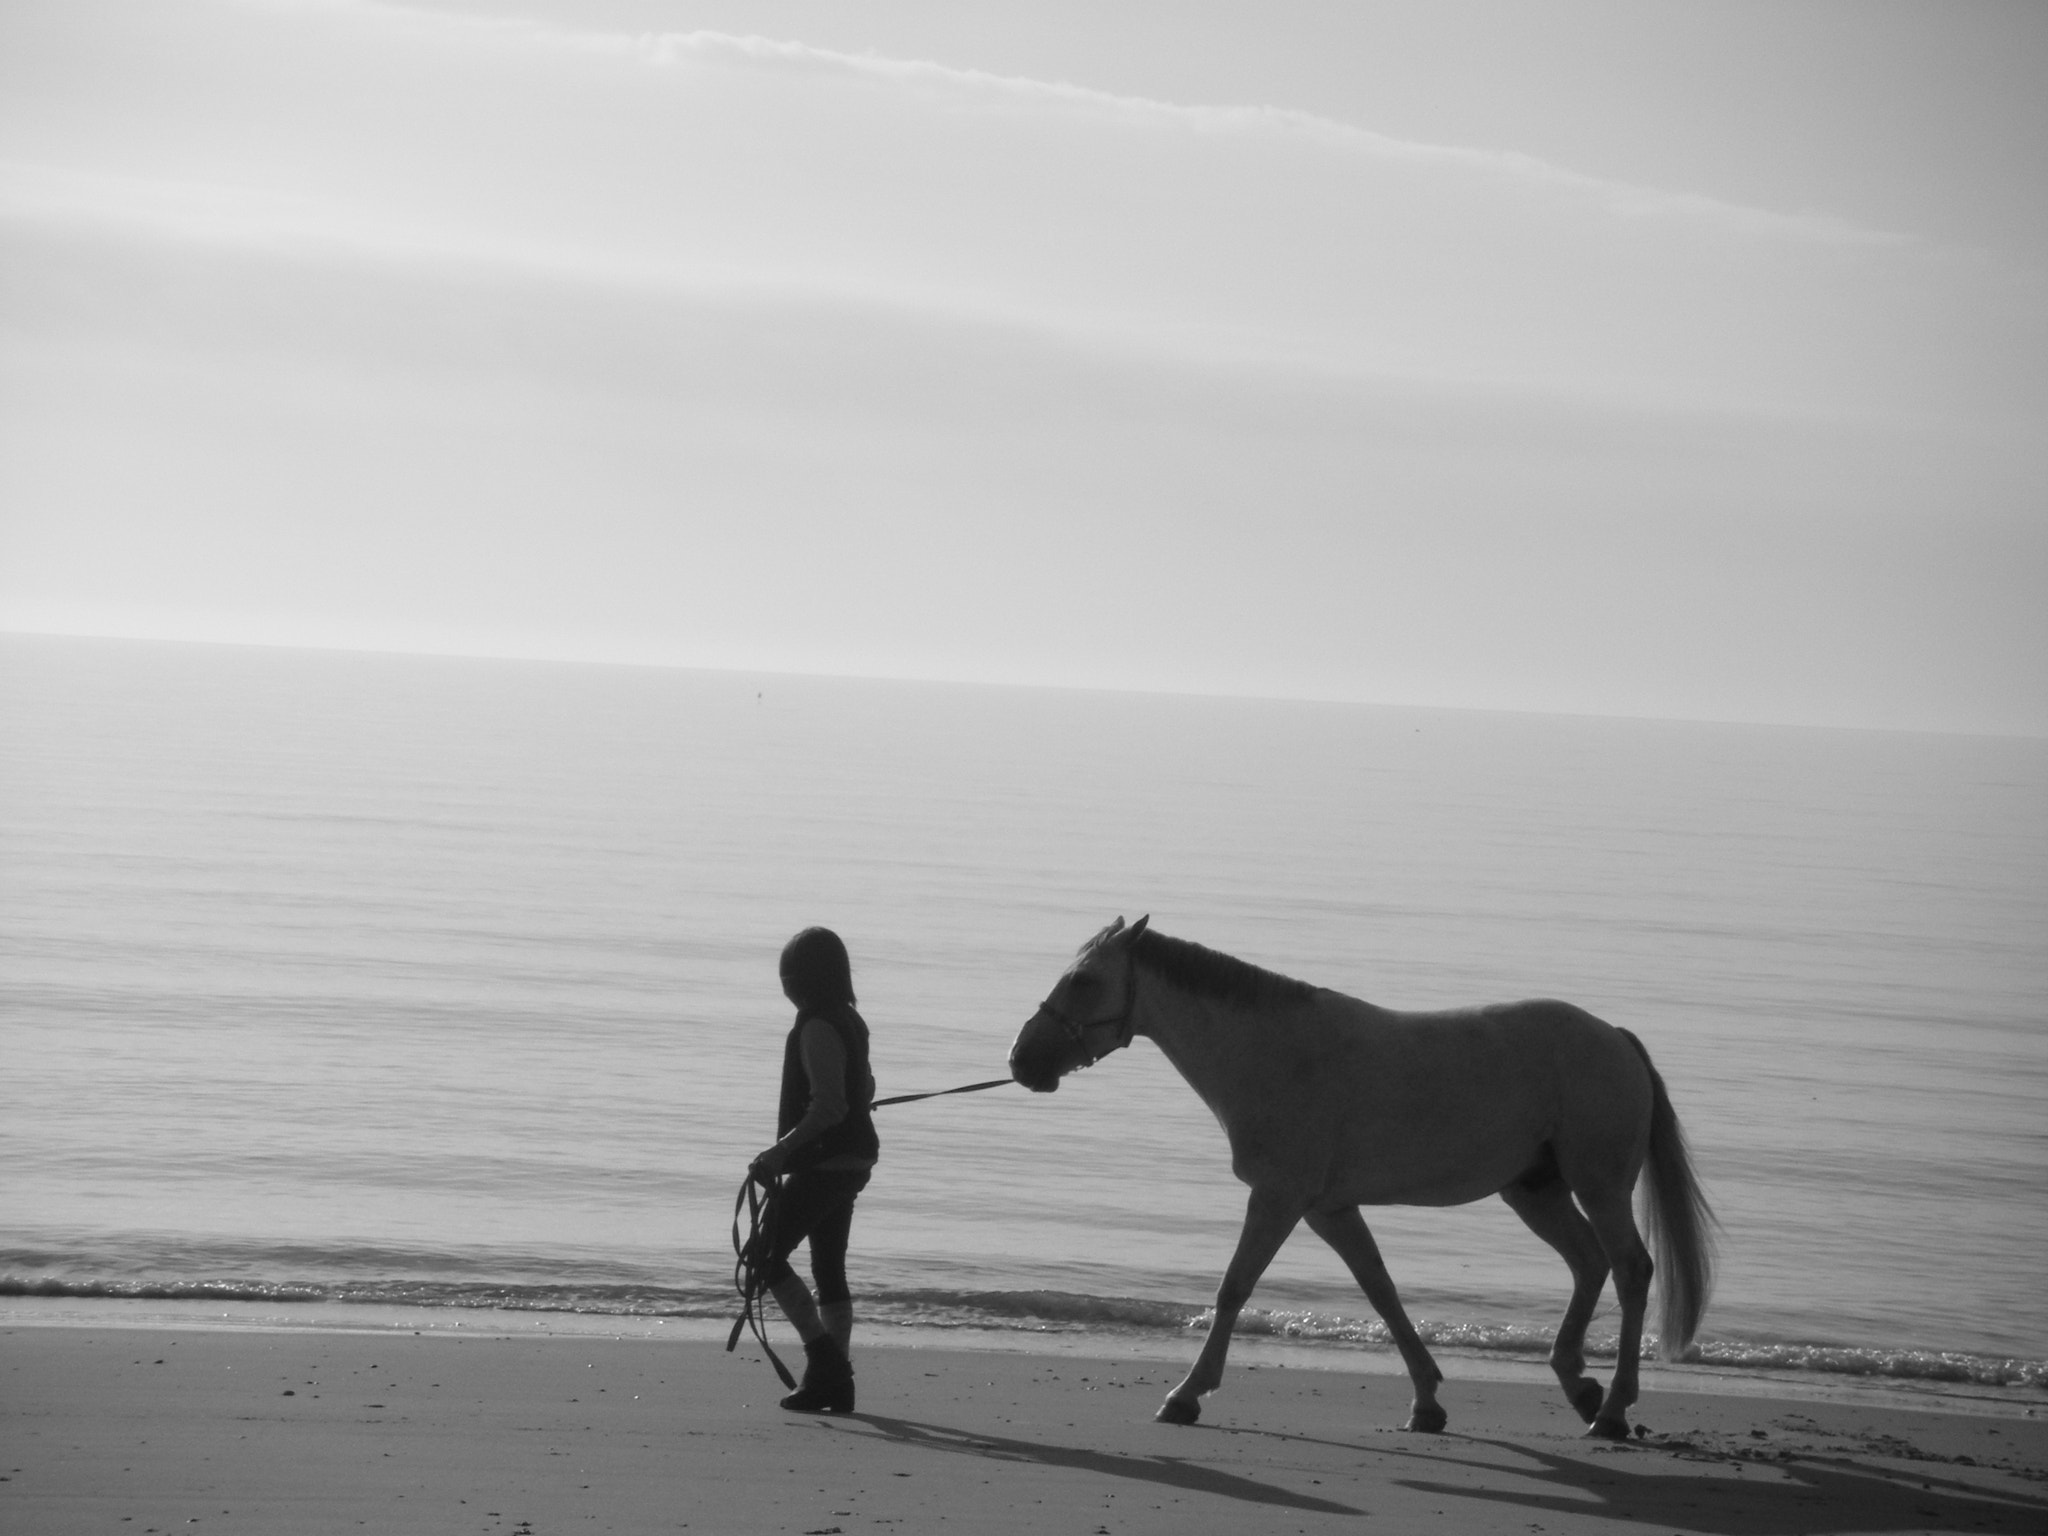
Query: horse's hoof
{"type": "Point", "coordinates": [1174, 1411]}
{"type": "Point", "coordinates": [1608, 1429]}
{"type": "Point", "coordinates": [1427, 1421]}
{"type": "Point", "coordinates": [1587, 1398]}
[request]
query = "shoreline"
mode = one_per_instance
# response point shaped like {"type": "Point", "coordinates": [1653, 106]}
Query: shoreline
{"type": "Point", "coordinates": [243, 1428]}
{"type": "Point", "coordinates": [1271, 1351]}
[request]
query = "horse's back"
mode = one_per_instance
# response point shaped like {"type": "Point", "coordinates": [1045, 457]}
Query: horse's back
{"type": "Point", "coordinates": [1451, 1106]}
{"type": "Point", "coordinates": [1542, 1039]}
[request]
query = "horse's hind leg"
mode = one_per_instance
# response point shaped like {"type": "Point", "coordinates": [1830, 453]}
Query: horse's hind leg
{"type": "Point", "coordinates": [1614, 1223]}
{"type": "Point", "coordinates": [1543, 1201]}
{"type": "Point", "coordinates": [1345, 1230]}
{"type": "Point", "coordinates": [1267, 1220]}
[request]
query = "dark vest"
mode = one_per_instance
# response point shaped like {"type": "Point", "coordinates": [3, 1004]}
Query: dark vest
{"type": "Point", "coordinates": [855, 1135]}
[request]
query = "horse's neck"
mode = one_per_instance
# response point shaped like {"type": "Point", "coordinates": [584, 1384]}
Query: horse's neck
{"type": "Point", "coordinates": [1215, 1045]}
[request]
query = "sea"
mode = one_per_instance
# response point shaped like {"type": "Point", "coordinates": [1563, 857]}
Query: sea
{"type": "Point", "coordinates": [412, 992]}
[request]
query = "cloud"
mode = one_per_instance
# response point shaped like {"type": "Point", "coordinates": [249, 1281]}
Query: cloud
{"type": "Point", "coordinates": [312, 441]}
{"type": "Point", "coordinates": [339, 320]}
{"type": "Point", "coordinates": [1227, 230]}
{"type": "Point", "coordinates": [1286, 126]}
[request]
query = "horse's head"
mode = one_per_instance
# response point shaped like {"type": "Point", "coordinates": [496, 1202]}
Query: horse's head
{"type": "Point", "coordinates": [1087, 1014]}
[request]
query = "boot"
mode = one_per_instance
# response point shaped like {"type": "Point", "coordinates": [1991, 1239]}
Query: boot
{"type": "Point", "coordinates": [828, 1380]}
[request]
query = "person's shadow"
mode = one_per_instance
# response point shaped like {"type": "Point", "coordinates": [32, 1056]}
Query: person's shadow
{"type": "Point", "coordinates": [1805, 1494]}
{"type": "Point", "coordinates": [1169, 1471]}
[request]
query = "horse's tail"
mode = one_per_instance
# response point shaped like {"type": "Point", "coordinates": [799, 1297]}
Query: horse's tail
{"type": "Point", "coordinates": [1680, 1222]}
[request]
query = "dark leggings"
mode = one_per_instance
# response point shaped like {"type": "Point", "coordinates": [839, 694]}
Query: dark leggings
{"type": "Point", "coordinates": [817, 1205]}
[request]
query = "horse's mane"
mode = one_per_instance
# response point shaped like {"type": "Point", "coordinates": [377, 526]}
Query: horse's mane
{"type": "Point", "coordinates": [1208, 973]}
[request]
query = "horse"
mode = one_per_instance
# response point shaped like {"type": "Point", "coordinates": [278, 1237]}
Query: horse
{"type": "Point", "coordinates": [1331, 1104]}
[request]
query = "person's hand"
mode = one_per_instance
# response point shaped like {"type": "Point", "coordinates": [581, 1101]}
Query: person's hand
{"type": "Point", "coordinates": [769, 1164]}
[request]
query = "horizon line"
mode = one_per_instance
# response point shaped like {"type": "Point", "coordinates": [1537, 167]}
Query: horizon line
{"type": "Point", "coordinates": [538, 657]}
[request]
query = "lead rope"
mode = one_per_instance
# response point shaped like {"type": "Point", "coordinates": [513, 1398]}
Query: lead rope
{"type": "Point", "coordinates": [940, 1093]}
{"type": "Point", "coordinates": [746, 1278]}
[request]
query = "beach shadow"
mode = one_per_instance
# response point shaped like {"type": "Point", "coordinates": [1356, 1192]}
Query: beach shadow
{"type": "Point", "coordinates": [1358, 1446]}
{"type": "Point", "coordinates": [1795, 1495]}
{"type": "Point", "coordinates": [1802, 1495]}
{"type": "Point", "coordinates": [1168, 1471]}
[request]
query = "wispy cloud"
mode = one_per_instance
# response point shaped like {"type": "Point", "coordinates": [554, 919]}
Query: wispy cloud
{"type": "Point", "coordinates": [1286, 126]}
{"type": "Point", "coordinates": [1224, 230]}
{"type": "Point", "coordinates": [731, 349]}
{"type": "Point", "coordinates": [959, 87]}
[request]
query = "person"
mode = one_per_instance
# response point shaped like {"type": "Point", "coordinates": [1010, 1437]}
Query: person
{"type": "Point", "coordinates": [826, 1148]}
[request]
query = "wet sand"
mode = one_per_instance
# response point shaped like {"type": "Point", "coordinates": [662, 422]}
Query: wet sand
{"type": "Point", "coordinates": [147, 1432]}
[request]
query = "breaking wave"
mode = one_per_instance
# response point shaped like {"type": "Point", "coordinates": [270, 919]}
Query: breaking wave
{"type": "Point", "coordinates": [1024, 1312]}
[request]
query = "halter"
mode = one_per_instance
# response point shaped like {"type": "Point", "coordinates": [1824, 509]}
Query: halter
{"type": "Point", "coordinates": [1123, 1019]}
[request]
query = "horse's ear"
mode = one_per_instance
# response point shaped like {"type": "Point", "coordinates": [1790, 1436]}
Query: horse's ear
{"type": "Point", "coordinates": [1114, 928]}
{"type": "Point", "coordinates": [1139, 926]}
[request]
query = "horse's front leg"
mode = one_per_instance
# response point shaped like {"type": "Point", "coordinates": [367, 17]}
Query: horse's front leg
{"type": "Point", "coordinates": [1268, 1218]}
{"type": "Point", "coordinates": [1345, 1230]}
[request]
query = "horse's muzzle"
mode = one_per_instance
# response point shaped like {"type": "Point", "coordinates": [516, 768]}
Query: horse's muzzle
{"type": "Point", "coordinates": [1035, 1058]}
{"type": "Point", "coordinates": [1037, 1078]}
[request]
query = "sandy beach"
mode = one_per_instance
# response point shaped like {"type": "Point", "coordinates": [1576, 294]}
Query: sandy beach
{"type": "Point", "coordinates": [146, 1432]}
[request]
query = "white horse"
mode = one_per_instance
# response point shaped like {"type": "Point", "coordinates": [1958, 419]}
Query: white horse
{"type": "Point", "coordinates": [1331, 1103]}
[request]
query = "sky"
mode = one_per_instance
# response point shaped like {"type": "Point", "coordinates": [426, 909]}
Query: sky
{"type": "Point", "coordinates": [1680, 360]}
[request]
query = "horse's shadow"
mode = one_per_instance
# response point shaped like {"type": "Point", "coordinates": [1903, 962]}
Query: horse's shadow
{"type": "Point", "coordinates": [1169, 1471]}
{"type": "Point", "coordinates": [1805, 1494]}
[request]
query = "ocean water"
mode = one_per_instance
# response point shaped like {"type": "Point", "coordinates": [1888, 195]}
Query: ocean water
{"type": "Point", "coordinates": [405, 983]}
